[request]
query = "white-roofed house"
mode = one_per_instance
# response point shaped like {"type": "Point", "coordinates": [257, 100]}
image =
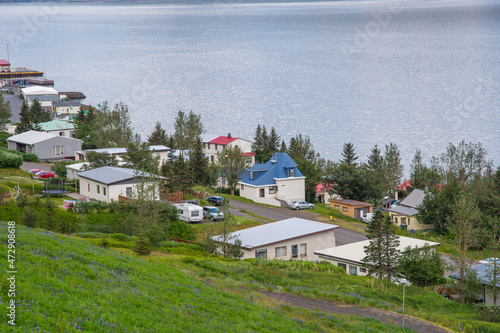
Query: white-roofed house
{"type": "Point", "coordinates": [293, 238]}
{"type": "Point", "coordinates": [48, 147]}
{"type": "Point", "coordinates": [109, 183]}
{"type": "Point", "coordinates": [350, 256]}
{"type": "Point", "coordinates": [73, 169]}
{"type": "Point", "coordinates": [45, 95]}
{"type": "Point", "coordinates": [158, 150]}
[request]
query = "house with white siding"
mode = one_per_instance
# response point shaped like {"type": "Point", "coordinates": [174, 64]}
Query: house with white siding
{"type": "Point", "coordinates": [108, 183]}
{"type": "Point", "coordinates": [293, 238]}
{"type": "Point", "coordinates": [275, 182]}
{"type": "Point", "coordinates": [213, 147]}
{"type": "Point", "coordinates": [161, 151]}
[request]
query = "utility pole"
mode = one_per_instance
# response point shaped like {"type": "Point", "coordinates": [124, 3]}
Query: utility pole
{"type": "Point", "coordinates": [8, 56]}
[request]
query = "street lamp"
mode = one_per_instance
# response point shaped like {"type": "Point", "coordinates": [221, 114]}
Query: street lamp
{"type": "Point", "coordinates": [403, 281]}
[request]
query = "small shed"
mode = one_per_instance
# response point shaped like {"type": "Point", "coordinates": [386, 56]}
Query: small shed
{"type": "Point", "coordinates": [352, 208]}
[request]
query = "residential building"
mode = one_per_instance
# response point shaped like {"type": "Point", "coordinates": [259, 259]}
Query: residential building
{"type": "Point", "coordinates": [352, 208]}
{"type": "Point", "coordinates": [483, 272]}
{"type": "Point", "coordinates": [293, 238]}
{"type": "Point", "coordinates": [158, 150]}
{"type": "Point", "coordinates": [323, 194]}
{"type": "Point", "coordinates": [276, 182]}
{"type": "Point", "coordinates": [45, 95]}
{"type": "Point", "coordinates": [58, 127]}
{"type": "Point", "coordinates": [48, 147]}
{"type": "Point", "coordinates": [405, 215]}
{"type": "Point", "coordinates": [66, 110]}
{"type": "Point", "coordinates": [73, 169]}
{"type": "Point", "coordinates": [350, 256]}
{"type": "Point", "coordinates": [109, 183]}
{"type": "Point", "coordinates": [212, 148]}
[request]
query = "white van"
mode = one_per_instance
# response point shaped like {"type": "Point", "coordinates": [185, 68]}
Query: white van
{"type": "Point", "coordinates": [189, 212]}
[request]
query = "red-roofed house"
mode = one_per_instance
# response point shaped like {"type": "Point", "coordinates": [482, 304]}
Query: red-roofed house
{"type": "Point", "coordinates": [404, 186]}
{"type": "Point", "coordinates": [214, 147]}
{"type": "Point", "coordinates": [323, 195]}
{"type": "Point", "coordinates": [4, 65]}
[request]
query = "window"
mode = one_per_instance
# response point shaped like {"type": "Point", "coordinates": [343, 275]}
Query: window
{"type": "Point", "coordinates": [58, 150]}
{"type": "Point", "coordinates": [362, 270]}
{"type": "Point", "coordinates": [208, 145]}
{"type": "Point", "coordinates": [181, 211]}
{"type": "Point", "coordinates": [195, 213]}
{"type": "Point", "coordinates": [98, 189]}
{"type": "Point", "coordinates": [353, 270]}
{"type": "Point", "coordinates": [280, 251]}
{"type": "Point", "coordinates": [272, 189]}
{"type": "Point", "coordinates": [215, 146]}
{"type": "Point", "coordinates": [290, 173]}
{"type": "Point", "coordinates": [295, 252]}
{"type": "Point", "coordinates": [61, 133]}
{"type": "Point", "coordinates": [88, 187]}
{"type": "Point", "coordinates": [345, 209]}
{"type": "Point", "coordinates": [251, 174]}
{"type": "Point", "coordinates": [303, 250]}
{"type": "Point", "coordinates": [212, 159]}
{"type": "Point", "coordinates": [403, 220]}
{"type": "Point", "coordinates": [396, 220]}
{"type": "Point", "coordinates": [336, 207]}
{"type": "Point", "coordinates": [344, 266]}
{"type": "Point", "coordinates": [103, 190]}
{"type": "Point", "coordinates": [261, 253]}
{"type": "Point", "coordinates": [128, 192]}
{"type": "Point", "coordinates": [223, 181]}
{"type": "Point", "coordinates": [242, 187]}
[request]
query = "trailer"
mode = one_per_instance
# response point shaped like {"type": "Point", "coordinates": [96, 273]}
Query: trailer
{"type": "Point", "coordinates": [189, 212]}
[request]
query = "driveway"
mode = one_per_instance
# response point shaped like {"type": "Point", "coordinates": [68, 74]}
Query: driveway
{"type": "Point", "coordinates": [342, 236]}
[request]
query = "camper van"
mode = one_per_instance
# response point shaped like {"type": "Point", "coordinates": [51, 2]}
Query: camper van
{"type": "Point", "coordinates": [189, 212]}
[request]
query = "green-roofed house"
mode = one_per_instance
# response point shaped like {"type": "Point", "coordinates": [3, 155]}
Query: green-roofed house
{"type": "Point", "coordinates": [58, 127]}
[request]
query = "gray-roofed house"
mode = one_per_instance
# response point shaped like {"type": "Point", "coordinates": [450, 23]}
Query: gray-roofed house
{"type": "Point", "coordinates": [293, 238]}
{"type": "Point", "coordinates": [48, 147]}
{"type": "Point", "coordinates": [109, 183]}
{"type": "Point", "coordinates": [65, 110]}
{"type": "Point", "coordinates": [276, 182]}
{"type": "Point", "coordinates": [405, 214]}
{"type": "Point", "coordinates": [350, 256]}
{"type": "Point", "coordinates": [483, 271]}
{"type": "Point", "coordinates": [158, 150]}
{"type": "Point", "coordinates": [58, 127]}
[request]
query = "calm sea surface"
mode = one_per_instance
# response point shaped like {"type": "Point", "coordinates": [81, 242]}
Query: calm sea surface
{"type": "Point", "coordinates": [417, 73]}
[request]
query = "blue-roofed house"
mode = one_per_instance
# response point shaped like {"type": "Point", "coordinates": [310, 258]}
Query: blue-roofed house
{"type": "Point", "coordinates": [109, 183]}
{"type": "Point", "coordinates": [279, 180]}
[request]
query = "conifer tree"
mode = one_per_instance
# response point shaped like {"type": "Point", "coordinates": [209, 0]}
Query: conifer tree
{"type": "Point", "coordinates": [158, 136]}
{"type": "Point", "coordinates": [50, 220]}
{"type": "Point", "coordinates": [349, 155]}
{"type": "Point", "coordinates": [199, 162]}
{"type": "Point", "coordinates": [29, 217]}
{"type": "Point", "coordinates": [5, 113]}
{"type": "Point", "coordinates": [141, 245]}
{"type": "Point", "coordinates": [25, 121]}
{"type": "Point", "coordinates": [38, 113]}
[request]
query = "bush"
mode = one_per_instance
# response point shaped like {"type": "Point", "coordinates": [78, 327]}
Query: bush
{"type": "Point", "coordinates": [120, 237]}
{"type": "Point", "coordinates": [10, 160]}
{"type": "Point", "coordinates": [30, 157]}
{"type": "Point", "coordinates": [181, 230]}
{"type": "Point", "coordinates": [156, 235]}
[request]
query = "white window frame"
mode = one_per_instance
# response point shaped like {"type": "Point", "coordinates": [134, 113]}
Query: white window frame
{"type": "Point", "coordinates": [280, 251]}
{"type": "Point", "coordinates": [290, 173]}
{"type": "Point", "coordinates": [57, 150]}
{"type": "Point", "coordinates": [273, 189]}
{"type": "Point", "coordinates": [303, 250]}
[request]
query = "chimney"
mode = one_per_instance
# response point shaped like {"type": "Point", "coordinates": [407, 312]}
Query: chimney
{"type": "Point", "coordinates": [229, 135]}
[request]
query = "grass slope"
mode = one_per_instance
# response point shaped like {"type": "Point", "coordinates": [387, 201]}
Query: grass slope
{"type": "Point", "coordinates": [68, 285]}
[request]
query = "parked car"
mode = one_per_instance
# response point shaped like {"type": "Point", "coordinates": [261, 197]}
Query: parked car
{"type": "Point", "coordinates": [215, 200]}
{"type": "Point", "coordinates": [213, 213]}
{"type": "Point", "coordinates": [367, 217]}
{"type": "Point", "coordinates": [45, 174]}
{"type": "Point", "coordinates": [301, 205]}
{"type": "Point", "coordinates": [34, 171]}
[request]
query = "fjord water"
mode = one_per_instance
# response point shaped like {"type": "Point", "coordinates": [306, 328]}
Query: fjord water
{"type": "Point", "coordinates": [418, 73]}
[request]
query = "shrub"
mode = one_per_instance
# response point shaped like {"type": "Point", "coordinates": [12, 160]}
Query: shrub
{"type": "Point", "coordinates": [30, 157]}
{"type": "Point", "coordinates": [10, 160]}
{"type": "Point", "coordinates": [182, 230]}
{"type": "Point", "coordinates": [120, 237]}
{"type": "Point", "coordinates": [156, 235]}
{"type": "Point", "coordinates": [29, 217]}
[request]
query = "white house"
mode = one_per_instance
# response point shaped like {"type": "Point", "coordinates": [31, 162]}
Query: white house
{"type": "Point", "coordinates": [158, 150]}
{"type": "Point", "coordinates": [48, 147]}
{"type": "Point", "coordinates": [279, 180]}
{"type": "Point", "coordinates": [45, 95]}
{"type": "Point", "coordinates": [73, 169]}
{"type": "Point", "coordinates": [65, 110]}
{"type": "Point", "coordinates": [212, 148]}
{"type": "Point", "coordinates": [58, 127]}
{"type": "Point", "coordinates": [484, 273]}
{"type": "Point", "coordinates": [293, 238]}
{"type": "Point", "coordinates": [350, 256]}
{"type": "Point", "coordinates": [108, 183]}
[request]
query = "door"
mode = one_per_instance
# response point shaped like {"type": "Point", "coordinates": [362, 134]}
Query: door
{"type": "Point", "coordinates": [295, 251]}
{"type": "Point", "coordinates": [262, 193]}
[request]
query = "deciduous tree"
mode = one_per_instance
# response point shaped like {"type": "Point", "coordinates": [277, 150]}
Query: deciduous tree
{"type": "Point", "coordinates": [232, 164]}
{"type": "Point", "coordinates": [5, 113]}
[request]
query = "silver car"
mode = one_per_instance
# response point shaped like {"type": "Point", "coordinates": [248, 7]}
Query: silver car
{"type": "Point", "coordinates": [301, 205]}
{"type": "Point", "coordinates": [213, 213]}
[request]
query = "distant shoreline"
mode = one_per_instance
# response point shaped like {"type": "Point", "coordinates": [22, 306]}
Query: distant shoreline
{"type": "Point", "coordinates": [177, 2]}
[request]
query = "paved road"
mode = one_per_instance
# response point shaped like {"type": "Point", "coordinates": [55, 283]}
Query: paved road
{"type": "Point", "coordinates": [15, 105]}
{"type": "Point", "coordinates": [342, 235]}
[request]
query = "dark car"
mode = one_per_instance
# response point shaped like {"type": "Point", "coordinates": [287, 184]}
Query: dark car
{"type": "Point", "coordinates": [215, 200]}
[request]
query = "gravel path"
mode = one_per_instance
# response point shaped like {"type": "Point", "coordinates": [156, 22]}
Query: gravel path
{"type": "Point", "coordinates": [415, 324]}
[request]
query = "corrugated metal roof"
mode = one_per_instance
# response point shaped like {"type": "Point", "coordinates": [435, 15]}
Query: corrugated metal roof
{"type": "Point", "coordinates": [55, 125]}
{"type": "Point", "coordinates": [351, 202]}
{"type": "Point", "coordinates": [482, 271]}
{"type": "Point", "coordinates": [414, 199]}
{"type": "Point", "coordinates": [118, 151]}
{"type": "Point", "coordinates": [276, 167]}
{"type": "Point", "coordinates": [66, 103]}
{"type": "Point", "coordinates": [355, 252]}
{"type": "Point", "coordinates": [109, 175]}
{"type": "Point", "coordinates": [409, 211]}
{"type": "Point", "coordinates": [279, 231]}
{"type": "Point", "coordinates": [39, 90]}
{"type": "Point", "coordinates": [31, 137]}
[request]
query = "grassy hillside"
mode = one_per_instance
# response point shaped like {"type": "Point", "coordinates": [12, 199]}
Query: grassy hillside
{"type": "Point", "coordinates": [69, 285]}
